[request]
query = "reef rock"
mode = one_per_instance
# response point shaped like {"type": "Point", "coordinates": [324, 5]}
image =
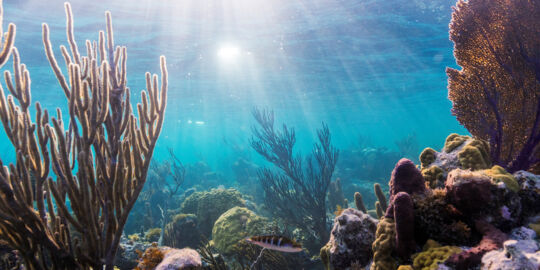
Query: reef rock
{"type": "Point", "coordinates": [126, 256]}
{"type": "Point", "coordinates": [351, 239]}
{"type": "Point", "coordinates": [485, 194]}
{"type": "Point", "coordinates": [517, 254]}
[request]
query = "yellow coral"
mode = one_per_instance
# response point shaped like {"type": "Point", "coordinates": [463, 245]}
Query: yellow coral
{"type": "Point", "coordinates": [134, 237]}
{"type": "Point", "coordinates": [475, 155]}
{"type": "Point", "coordinates": [152, 235]}
{"type": "Point", "coordinates": [427, 157]}
{"type": "Point", "coordinates": [453, 141]}
{"type": "Point", "coordinates": [499, 174]}
{"type": "Point", "coordinates": [384, 245]}
{"type": "Point", "coordinates": [432, 255]}
{"type": "Point", "coordinates": [434, 176]}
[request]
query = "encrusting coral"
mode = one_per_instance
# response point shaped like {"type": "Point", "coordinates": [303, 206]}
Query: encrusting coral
{"type": "Point", "coordinates": [100, 159]}
{"type": "Point", "coordinates": [384, 244]}
{"type": "Point", "coordinates": [432, 255]}
{"type": "Point", "coordinates": [458, 152]}
{"type": "Point", "coordinates": [495, 94]}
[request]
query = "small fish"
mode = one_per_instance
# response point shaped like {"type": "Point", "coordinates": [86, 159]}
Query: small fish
{"type": "Point", "coordinates": [275, 242]}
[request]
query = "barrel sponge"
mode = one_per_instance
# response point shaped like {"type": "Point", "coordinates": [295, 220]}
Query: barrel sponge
{"type": "Point", "coordinates": [383, 247]}
{"type": "Point", "coordinates": [498, 174]}
{"type": "Point", "coordinates": [432, 255]}
{"type": "Point", "coordinates": [453, 141]}
{"type": "Point", "coordinates": [233, 226]}
{"type": "Point", "coordinates": [427, 157]}
{"type": "Point", "coordinates": [434, 176]}
{"type": "Point", "coordinates": [475, 155]}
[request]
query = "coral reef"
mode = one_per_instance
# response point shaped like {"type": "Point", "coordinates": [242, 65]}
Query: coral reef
{"type": "Point", "coordinates": [182, 232]}
{"type": "Point", "coordinates": [65, 201]}
{"type": "Point", "coordinates": [209, 205]}
{"type": "Point", "coordinates": [350, 240]}
{"type": "Point", "coordinates": [495, 94]}
{"type": "Point", "coordinates": [234, 226]}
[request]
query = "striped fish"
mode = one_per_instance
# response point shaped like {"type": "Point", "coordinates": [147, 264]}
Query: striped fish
{"type": "Point", "coordinates": [275, 242]}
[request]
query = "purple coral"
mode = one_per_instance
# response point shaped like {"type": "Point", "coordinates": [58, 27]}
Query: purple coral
{"type": "Point", "coordinates": [405, 178]}
{"type": "Point", "coordinates": [404, 219]}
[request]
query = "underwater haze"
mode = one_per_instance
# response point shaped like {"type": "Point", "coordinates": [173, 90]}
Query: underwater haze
{"type": "Point", "coordinates": [369, 69]}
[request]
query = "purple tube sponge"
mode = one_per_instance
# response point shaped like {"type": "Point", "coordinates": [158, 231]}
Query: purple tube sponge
{"type": "Point", "coordinates": [404, 219]}
{"type": "Point", "coordinates": [405, 178]}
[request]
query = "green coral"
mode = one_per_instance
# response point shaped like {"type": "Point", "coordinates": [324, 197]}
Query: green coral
{"type": "Point", "coordinates": [434, 175]}
{"type": "Point", "coordinates": [427, 157]}
{"type": "Point", "coordinates": [152, 235]}
{"type": "Point", "coordinates": [475, 155]}
{"type": "Point", "coordinates": [432, 255]}
{"type": "Point", "coordinates": [499, 174]}
{"type": "Point", "coordinates": [209, 205]}
{"type": "Point", "coordinates": [453, 141]}
{"type": "Point", "coordinates": [384, 245]}
{"type": "Point", "coordinates": [233, 227]}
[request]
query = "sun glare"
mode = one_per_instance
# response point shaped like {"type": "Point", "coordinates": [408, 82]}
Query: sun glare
{"type": "Point", "coordinates": [228, 52]}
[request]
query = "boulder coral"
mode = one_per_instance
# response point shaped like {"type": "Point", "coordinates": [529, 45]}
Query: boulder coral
{"type": "Point", "coordinates": [234, 226]}
{"type": "Point", "coordinates": [209, 205]}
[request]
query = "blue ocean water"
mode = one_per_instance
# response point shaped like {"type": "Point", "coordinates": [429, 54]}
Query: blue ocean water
{"type": "Point", "coordinates": [367, 68]}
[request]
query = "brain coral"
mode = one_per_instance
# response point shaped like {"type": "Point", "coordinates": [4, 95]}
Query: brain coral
{"type": "Point", "coordinates": [234, 226]}
{"type": "Point", "coordinates": [209, 205]}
